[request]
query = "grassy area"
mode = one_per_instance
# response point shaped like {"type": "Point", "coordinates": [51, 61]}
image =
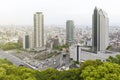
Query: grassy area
{"type": "Point", "coordinates": [11, 46]}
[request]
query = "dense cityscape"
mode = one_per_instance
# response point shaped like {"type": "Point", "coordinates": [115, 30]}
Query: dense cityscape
{"type": "Point", "coordinates": [61, 52]}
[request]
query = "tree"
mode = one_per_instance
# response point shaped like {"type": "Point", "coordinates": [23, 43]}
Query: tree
{"type": "Point", "coordinates": [89, 70]}
{"type": "Point", "coordinates": [11, 72]}
{"type": "Point", "coordinates": [59, 47]}
{"type": "Point", "coordinates": [10, 46]}
{"type": "Point", "coordinates": [90, 63]}
{"type": "Point", "coordinates": [108, 47]}
{"type": "Point", "coordinates": [115, 59]}
{"type": "Point", "coordinates": [106, 71]}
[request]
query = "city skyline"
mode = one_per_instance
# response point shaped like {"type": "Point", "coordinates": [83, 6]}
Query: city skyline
{"type": "Point", "coordinates": [56, 12]}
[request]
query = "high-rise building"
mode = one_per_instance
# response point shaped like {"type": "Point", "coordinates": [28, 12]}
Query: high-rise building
{"type": "Point", "coordinates": [69, 32]}
{"type": "Point", "coordinates": [100, 30]}
{"type": "Point", "coordinates": [55, 41]}
{"type": "Point", "coordinates": [26, 42]}
{"type": "Point", "coordinates": [38, 30]}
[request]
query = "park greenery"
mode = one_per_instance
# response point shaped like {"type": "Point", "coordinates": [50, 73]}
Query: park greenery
{"type": "Point", "coordinates": [60, 47]}
{"type": "Point", "coordinates": [11, 72]}
{"type": "Point", "coordinates": [115, 59]}
{"type": "Point", "coordinates": [106, 71]}
{"type": "Point", "coordinates": [11, 46]}
{"type": "Point", "coordinates": [89, 70]}
{"type": "Point", "coordinates": [109, 47]}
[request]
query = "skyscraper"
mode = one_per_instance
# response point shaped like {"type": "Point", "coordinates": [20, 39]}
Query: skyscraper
{"type": "Point", "coordinates": [69, 32]}
{"type": "Point", "coordinates": [100, 30]}
{"type": "Point", "coordinates": [38, 30]}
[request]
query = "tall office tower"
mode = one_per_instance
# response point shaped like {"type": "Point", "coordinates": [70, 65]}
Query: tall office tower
{"type": "Point", "coordinates": [26, 42]}
{"type": "Point", "coordinates": [38, 30]}
{"type": "Point", "coordinates": [69, 32]}
{"type": "Point", "coordinates": [100, 30]}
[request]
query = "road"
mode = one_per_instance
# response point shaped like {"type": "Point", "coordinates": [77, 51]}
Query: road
{"type": "Point", "coordinates": [53, 62]}
{"type": "Point", "coordinates": [16, 61]}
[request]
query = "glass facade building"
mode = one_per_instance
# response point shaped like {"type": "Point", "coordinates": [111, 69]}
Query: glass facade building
{"type": "Point", "coordinates": [100, 30]}
{"type": "Point", "coordinates": [69, 32]}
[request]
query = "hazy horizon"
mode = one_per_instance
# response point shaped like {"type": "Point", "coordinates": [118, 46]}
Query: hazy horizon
{"type": "Point", "coordinates": [56, 12]}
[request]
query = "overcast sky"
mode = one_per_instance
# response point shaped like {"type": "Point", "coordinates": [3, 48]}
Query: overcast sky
{"type": "Point", "coordinates": [20, 12]}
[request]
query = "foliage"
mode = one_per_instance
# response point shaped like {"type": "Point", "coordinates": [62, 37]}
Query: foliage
{"type": "Point", "coordinates": [58, 48]}
{"type": "Point", "coordinates": [90, 63]}
{"type": "Point", "coordinates": [109, 47]}
{"type": "Point", "coordinates": [115, 59]}
{"type": "Point", "coordinates": [76, 62]}
{"type": "Point", "coordinates": [5, 61]}
{"type": "Point", "coordinates": [52, 74]}
{"type": "Point", "coordinates": [49, 74]}
{"type": "Point", "coordinates": [106, 71]}
{"type": "Point", "coordinates": [72, 74]}
{"type": "Point", "coordinates": [61, 47]}
{"type": "Point", "coordinates": [10, 72]}
{"type": "Point", "coordinates": [10, 46]}
{"type": "Point", "coordinates": [89, 70]}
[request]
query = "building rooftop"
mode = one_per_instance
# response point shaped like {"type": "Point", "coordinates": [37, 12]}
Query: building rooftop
{"type": "Point", "coordinates": [38, 12]}
{"type": "Point", "coordinates": [100, 11]}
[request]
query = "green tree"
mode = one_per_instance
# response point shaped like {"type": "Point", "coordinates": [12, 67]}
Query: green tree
{"type": "Point", "coordinates": [10, 46]}
{"type": "Point", "coordinates": [106, 71]}
{"type": "Point", "coordinates": [72, 74]}
{"type": "Point", "coordinates": [109, 47]}
{"type": "Point", "coordinates": [59, 47]}
{"type": "Point", "coordinates": [115, 59]}
{"type": "Point", "coordinates": [11, 72]}
{"type": "Point", "coordinates": [90, 63]}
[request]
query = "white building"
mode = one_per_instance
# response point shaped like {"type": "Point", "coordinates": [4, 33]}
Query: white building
{"type": "Point", "coordinates": [73, 52]}
{"type": "Point", "coordinates": [100, 30]}
{"type": "Point", "coordinates": [38, 30]}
